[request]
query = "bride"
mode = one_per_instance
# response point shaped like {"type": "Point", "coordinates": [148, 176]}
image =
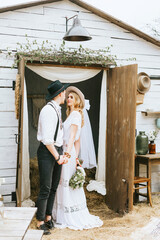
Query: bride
{"type": "Point", "coordinates": [70, 208]}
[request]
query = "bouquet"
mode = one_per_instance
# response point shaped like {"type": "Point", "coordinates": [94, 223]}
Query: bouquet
{"type": "Point", "coordinates": [152, 135]}
{"type": "Point", "coordinates": [78, 178]}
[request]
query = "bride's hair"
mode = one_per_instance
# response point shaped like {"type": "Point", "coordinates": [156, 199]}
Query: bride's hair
{"type": "Point", "coordinates": [78, 106]}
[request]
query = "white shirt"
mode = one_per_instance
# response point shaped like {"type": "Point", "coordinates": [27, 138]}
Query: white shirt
{"type": "Point", "coordinates": [47, 125]}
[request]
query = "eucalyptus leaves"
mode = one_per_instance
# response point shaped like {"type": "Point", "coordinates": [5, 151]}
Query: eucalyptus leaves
{"type": "Point", "coordinates": [34, 51]}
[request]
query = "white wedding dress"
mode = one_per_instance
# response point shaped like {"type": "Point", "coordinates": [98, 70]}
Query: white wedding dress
{"type": "Point", "coordinates": [70, 208]}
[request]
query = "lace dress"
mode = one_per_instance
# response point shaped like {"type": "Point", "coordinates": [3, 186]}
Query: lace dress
{"type": "Point", "coordinates": [70, 208]}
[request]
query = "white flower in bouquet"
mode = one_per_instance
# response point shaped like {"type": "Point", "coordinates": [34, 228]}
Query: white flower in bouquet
{"type": "Point", "coordinates": [152, 134]}
{"type": "Point", "coordinates": [82, 170]}
{"type": "Point", "coordinates": [77, 180]}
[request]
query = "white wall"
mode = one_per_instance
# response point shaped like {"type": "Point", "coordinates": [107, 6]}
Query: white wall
{"type": "Point", "coordinates": [47, 22]}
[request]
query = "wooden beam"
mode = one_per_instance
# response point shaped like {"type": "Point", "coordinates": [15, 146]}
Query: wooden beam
{"type": "Point", "coordinates": [51, 64]}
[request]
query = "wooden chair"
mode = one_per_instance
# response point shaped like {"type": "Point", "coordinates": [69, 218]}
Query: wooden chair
{"type": "Point", "coordinates": [139, 184]}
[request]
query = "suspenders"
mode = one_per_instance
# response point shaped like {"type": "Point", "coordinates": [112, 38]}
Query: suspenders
{"type": "Point", "coordinates": [55, 135]}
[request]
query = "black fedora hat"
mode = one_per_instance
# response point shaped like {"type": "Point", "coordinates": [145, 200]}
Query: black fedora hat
{"type": "Point", "coordinates": [55, 88]}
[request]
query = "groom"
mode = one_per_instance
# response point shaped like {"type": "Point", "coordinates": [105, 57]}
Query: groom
{"type": "Point", "coordinates": [50, 158]}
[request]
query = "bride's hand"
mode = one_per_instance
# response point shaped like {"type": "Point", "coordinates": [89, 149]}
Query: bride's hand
{"type": "Point", "coordinates": [78, 163]}
{"type": "Point", "coordinates": [65, 160]}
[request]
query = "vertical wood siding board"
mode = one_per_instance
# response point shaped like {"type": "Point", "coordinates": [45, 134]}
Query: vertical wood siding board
{"type": "Point", "coordinates": [114, 151]}
{"type": "Point", "coordinates": [109, 139]}
{"type": "Point", "coordinates": [121, 143]}
{"type": "Point", "coordinates": [112, 123]}
{"type": "Point", "coordinates": [115, 148]}
{"type": "Point", "coordinates": [122, 132]}
{"type": "Point", "coordinates": [127, 94]}
{"type": "Point", "coordinates": [133, 87]}
{"type": "Point", "coordinates": [116, 138]}
{"type": "Point", "coordinates": [126, 129]}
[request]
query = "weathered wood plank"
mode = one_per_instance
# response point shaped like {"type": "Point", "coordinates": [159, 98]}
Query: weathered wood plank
{"type": "Point", "coordinates": [10, 164]}
{"type": "Point", "coordinates": [8, 73]}
{"type": "Point", "coordinates": [35, 10]}
{"type": "Point", "coordinates": [10, 225]}
{"type": "Point", "coordinates": [10, 204]}
{"type": "Point", "coordinates": [7, 189]}
{"type": "Point", "coordinates": [33, 234]}
{"type": "Point", "coordinates": [7, 142]}
{"type": "Point", "coordinates": [6, 133]}
{"type": "Point", "coordinates": [7, 173]}
{"type": "Point", "coordinates": [25, 213]}
{"type": "Point", "coordinates": [7, 198]}
{"type": "Point", "coordinates": [8, 154]}
{"type": "Point", "coordinates": [8, 119]}
{"type": "Point", "coordinates": [10, 238]}
{"type": "Point", "coordinates": [14, 233]}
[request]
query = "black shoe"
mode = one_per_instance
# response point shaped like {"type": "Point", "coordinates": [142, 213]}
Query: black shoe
{"type": "Point", "coordinates": [44, 228]}
{"type": "Point", "coordinates": [50, 224]}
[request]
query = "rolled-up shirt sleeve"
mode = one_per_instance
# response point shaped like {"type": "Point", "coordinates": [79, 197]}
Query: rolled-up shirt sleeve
{"type": "Point", "coordinates": [47, 125]}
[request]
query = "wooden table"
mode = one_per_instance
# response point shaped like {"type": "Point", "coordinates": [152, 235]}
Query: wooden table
{"type": "Point", "coordinates": [148, 160]}
{"type": "Point", "coordinates": [14, 223]}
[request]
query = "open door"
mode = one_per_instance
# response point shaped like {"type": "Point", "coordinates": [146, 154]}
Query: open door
{"type": "Point", "coordinates": [20, 139]}
{"type": "Point", "coordinates": [121, 124]}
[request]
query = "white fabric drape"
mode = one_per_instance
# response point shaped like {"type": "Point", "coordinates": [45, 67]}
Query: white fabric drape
{"type": "Point", "coordinates": [69, 75]}
{"type": "Point", "coordinates": [100, 173]}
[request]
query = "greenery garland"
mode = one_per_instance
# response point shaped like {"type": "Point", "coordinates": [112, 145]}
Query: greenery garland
{"type": "Point", "coordinates": [32, 51]}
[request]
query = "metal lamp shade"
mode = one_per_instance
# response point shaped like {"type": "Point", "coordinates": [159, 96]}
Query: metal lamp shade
{"type": "Point", "coordinates": [77, 32]}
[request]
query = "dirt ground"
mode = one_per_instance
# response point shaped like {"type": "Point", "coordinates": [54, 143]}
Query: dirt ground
{"type": "Point", "coordinates": [115, 227]}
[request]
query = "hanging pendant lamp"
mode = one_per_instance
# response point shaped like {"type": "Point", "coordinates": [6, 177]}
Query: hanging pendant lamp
{"type": "Point", "coordinates": [76, 32]}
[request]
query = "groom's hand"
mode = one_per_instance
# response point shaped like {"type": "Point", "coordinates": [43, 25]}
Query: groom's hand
{"type": "Point", "coordinates": [61, 160]}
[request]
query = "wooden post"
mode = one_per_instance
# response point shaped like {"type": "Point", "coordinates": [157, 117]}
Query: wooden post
{"type": "Point", "coordinates": [21, 70]}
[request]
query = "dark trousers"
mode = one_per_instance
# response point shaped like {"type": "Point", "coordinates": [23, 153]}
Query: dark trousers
{"type": "Point", "coordinates": [49, 171]}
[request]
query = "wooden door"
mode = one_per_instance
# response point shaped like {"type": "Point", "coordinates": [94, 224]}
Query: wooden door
{"type": "Point", "coordinates": [121, 124]}
{"type": "Point", "coordinates": [21, 69]}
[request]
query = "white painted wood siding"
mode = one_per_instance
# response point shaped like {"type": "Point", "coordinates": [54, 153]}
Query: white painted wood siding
{"type": "Point", "coordinates": [47, 22]}
{"type": "Point", "coordinates": [145, 123]}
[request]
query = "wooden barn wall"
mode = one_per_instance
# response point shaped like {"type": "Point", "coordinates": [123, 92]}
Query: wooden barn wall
{"type": "Point", "coordinates": [47, 22]}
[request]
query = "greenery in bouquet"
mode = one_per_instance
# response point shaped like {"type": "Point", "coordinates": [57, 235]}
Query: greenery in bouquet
{"type": "Point", "coordinates": [152, 134]}
{"type": "Point", "coordinates": [78, 178]}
